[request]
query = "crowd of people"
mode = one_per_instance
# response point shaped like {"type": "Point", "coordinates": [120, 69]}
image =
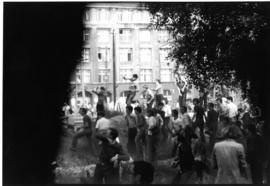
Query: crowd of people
{"type": "Point", "coordinates": [222, 136]}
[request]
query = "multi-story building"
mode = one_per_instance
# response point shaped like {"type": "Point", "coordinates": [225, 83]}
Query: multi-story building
{"type": "Point", "coordinates": [138, 49]}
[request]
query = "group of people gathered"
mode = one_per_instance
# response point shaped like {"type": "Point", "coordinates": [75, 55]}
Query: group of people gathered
{"type": "Point", "coordinates": [221, 136]}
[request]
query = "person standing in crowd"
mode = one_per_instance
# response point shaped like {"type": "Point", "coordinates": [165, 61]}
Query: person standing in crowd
{"type": "Point", "coordinates": [141, 133]}
{"type": "Point", "coordinates": [184, 161]}
{"type": "Point", "coordinates": [175, 126]}
{"type": "Point", "coordinates": [167, 114]}
{"type": "Point", "coordinates": [85, 130]}
{"type": "Point", "coordinates": [132, 130]}
{"type": "Point", "coordinates": [109, 157]}
{"type": "Point", "coordinates": [211, 123]}
{"type": "Point", "coordinates": [186, 120]}
{"type": "Point", "coordinates": [153, 133]}
{"type": "Point", "coordinates": [182, 87]}
{"type": "Point", "coordinates": [158, 93]}
{"type": "Point", "coordinates": [233, 110]}
{"type": "Point", "coordinates": [255, 154]}
{"type": "Point", "coordinates": [132, 89]}
{"type": "Point", "coordinates": [199, 116]}
{"type": "Point", "coordinates": [229, 159]}
{"type": "Point", "coordinates": [102, 99]}
{"type": "Point", "coordinates": [200, 156]}
{"type": "Point", "coordinates": [149, 95]}
{"type": "Point", "coordinates": [222, 110]}
{"type": "Point", "coordinates": [102, 123]}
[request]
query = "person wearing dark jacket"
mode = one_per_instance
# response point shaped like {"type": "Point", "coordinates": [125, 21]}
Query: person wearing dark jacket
{"type": "Point", "coordinates": [184, 160]}
{"type": "Point", "coordinates": [110, 155]}
{"type": "Point", "coordinates": [141, 132]}
{"type": "Point", "coordinates": [255, 153]}
{"type": "Point", "coordinates": [211, 123]}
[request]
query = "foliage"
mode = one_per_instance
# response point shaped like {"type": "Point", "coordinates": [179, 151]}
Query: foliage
{"type": "Point", "coordinates": [207, 38]}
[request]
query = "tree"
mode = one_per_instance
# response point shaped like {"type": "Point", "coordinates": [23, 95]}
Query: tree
{"type": "Point", "coordinates": [210, 39]}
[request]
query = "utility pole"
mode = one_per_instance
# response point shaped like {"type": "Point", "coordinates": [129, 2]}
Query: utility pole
{"type": "Point", "coordinates": [114, 72]}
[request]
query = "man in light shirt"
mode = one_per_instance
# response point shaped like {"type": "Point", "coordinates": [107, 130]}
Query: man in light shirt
{"type": "Point", "coordinates": [102, 122]}
{"type": "Point", "coordinates": [233, 110]}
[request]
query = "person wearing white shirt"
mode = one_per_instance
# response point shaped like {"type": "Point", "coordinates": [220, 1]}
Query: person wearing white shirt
{"type": "Point", "coordinates": [102, 123]}
{"type": "Point", "coordinates": [233, 110]}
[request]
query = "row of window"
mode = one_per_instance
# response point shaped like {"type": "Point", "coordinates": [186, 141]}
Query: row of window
{"type": "Point", "coordinates": [146, 75]}
{"type": "Point", "coordinates": [126, 55]}
{"type": "Point", "coordinates": [125, 35]}
{"type": "Point", "coordinates": [99, 15]}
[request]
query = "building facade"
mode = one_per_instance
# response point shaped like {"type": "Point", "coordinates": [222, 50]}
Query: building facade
{"type": "Point", "coordinates": [138, 50]}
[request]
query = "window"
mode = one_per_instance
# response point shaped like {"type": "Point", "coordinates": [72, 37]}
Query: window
{"type": "Point", "coordinates": [87, 76]}
{"type": "Point", "coordinates": [125, 73]}
{"type": "Point", "coordinates": [166, 75]}
{"type": "Point", "coordinates": [125, 35]}
{"type": "Point", "coordinates": [145, 55]}
{"type": "Point", "coordinates": [145, 16]}
{"type": "Point", "coordinates": [78, 77]}
{"type": "Point", "coordinates": [103, 36]}
{"type": "Point", "coordinates": [103, 54]}
{"type": "Point", "coordinates": [86, 55]}
{"type": "Point", "coordinates": [145, 35]}
{"type": "Point", "coordinates": [125, 55]}
{"type": "Point", "coordinates": [103, 76]}
{"type": "Point", "coordinates": [120, 16]}
{"type": "Point", "coordinates": [146, 75]}
{"type": "Point", "coordinates": [137, 16]}
{"type": "Point", "coordinates": [87, 15]}
{"type": "Point", "coordinates": [86, 34]}
{"type": "Point", "coordinates": [98, 14]}
{"type": "Point", "coordinates": [163, 54]}
{"type": "Point", "coordinates": [163, 36]}
{"type": "Point", "coordinates": [167, 92]}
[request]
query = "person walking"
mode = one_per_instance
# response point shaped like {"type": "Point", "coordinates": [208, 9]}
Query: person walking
{"type": "Point", "coordinates": [255, 154]}
{"type": "Point", "coordinates": [111, 153]}
{"type": "Point", "coordinates": [199, 116]}
{"type": "Point", "coordinates": [212, 123]}
{"type": "Point", "coordinates": [132, 130]}
{"type": "Point", "coordinates": [85, 130]}
{"type": "Point", "coordinates": [141, 133]}
{"type": "Point", "coordinates": [229, 159]}
{"type": "Point", "coordinates": [153, 132]}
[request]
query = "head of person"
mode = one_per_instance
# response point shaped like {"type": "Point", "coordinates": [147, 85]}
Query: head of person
{"type": "Point", "coordinates": [229, 99]}
{"type": "Point", "coordinates": [135, 76]}
{"type": "Point", "coordinates": [83, 111]}
{"type": "Point", "coordinates": [196, 101]}
{"type": "Point", "coordinates": [158, 81]}
{"type": "Point", "coordinates": [150, 113]}
{"type": "Point", "coordinates": [211, 106]}
{"type": "Point", "coordinates": [102, 89]}
{"type": "Point", "coordinates": [138, 110]}
{"type": "Point", "coordinates": [101, 114]}
{"type": "Point", "coordinates": [230, 133]}
{"type": "Point", "coordinates": [142, 172]}
{"type": "Point", "coordinates": [129, 109]}
{"type": "Point", "coordinates": [175, 113]}
{"type": "Point", "coordinates": [183, 109]}
{"type": "Point", "coordinates": [219, 101]}
{"type": "Point", "coordinates": [112, 133]}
